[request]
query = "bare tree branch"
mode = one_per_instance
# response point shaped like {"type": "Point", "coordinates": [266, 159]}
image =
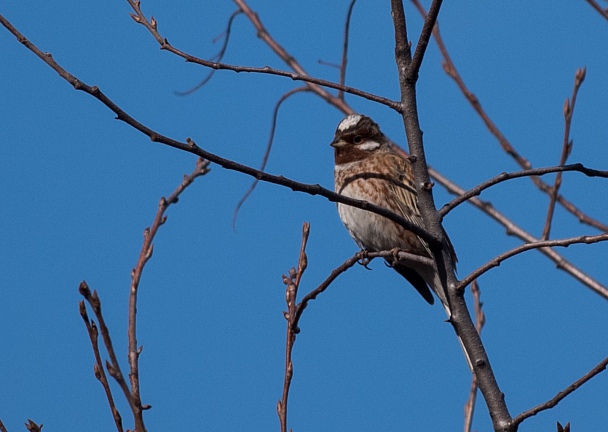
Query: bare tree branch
{"type": "Point", "coordinates": [112, 365]}
{"type": "Point", "coordinates": [316, 84]}
{"type": "Point", "coordinates": [514, 230]}
{"type": "Point", "coordinates": [525, 247]}
{"type": "Point", "coordinates": [480, 320]}
{"type": "Point", "coordinates": [202, 168]}
{"type": "Point", "coordinates": [451, 71]}
{"type": "Point", "coordinates": [345, 48]}
{"type": "Point", "coordinates": [603, 12]}
{"type": "Point", "coordinates": [590, 172]}
{"type": "Point", "coordinates": [33, 427]}
{"type": "Point", "coordinates": [273, 127]}
{"type": "Point", "coordinates": [99, 370]}
{"type": "Point", "coordinates": [217, 58]}
{"type": "Point", "coordinates": [292, 283]}
{"type": "Point", "coordinates": [460, 317]}
{"type": "Point", "coordinates": [566, 149]}
{"type": "Point", "coordinates": [423, 41]}
{"type": "Point", "coordinates": [562, 394]}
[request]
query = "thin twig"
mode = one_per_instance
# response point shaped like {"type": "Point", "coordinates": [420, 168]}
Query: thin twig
{"type": "Point", "coordinates": [345, 48]}
{"type": "Point", "coordinates": [268, 149]}
{"type": "Point", "coordinates": [98, 369]}
{"type": "Point", "coordinates": [562, 394]}
{"type": "Point", "coordinates": [2, 427]}
{"type": "Point", "coordinates": [112, 365]}
{"type": "Point", "coordinates": [292, 283]}
{"type": "Point", "coordinates": [590, 172]}
{"type": "Point", "coordinates": [480, 320]}
{"type": "Point", "coordinates": [450, 69]}
{"type": "Point", "coordinates": [363, 257]}
{"type": "Point", "coordinates": [516, 231]}
{"type": "Point", "coordinates": [202, 168]}
{"type": "Point", "coordinates": [566, 150]}
{"type": "Point", "coordinates": [218, 57]}
{"type": "Point", "coordinates": [425, 35]}
{"type": "Point", "coordinates": [495, 262]}
{"type": "Point", "coordinates": [603, 12]}
{"type": "Point", "coordinates": [316, 84]}
{"type": "Point", "coordinates": [33, 427]}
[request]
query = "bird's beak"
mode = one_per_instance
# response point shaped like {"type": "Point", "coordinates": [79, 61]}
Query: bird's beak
{"type": "Point", "coordinates": [337, 143]}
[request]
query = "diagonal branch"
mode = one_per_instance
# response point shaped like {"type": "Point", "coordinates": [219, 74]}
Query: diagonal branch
{"type": "Point", "coordinates": [595, 5]}
{"type": "Point", "coordinates": [345, 48]}
{"type": "Point", "coordinates": [566, 149]}
{"type": "Point", "coordinates": [425, 35]}
{"type": "Point", "coordinates": [513, 175]}
{"type": "Point", "coordinates": [561, 395]}
{"type": "Point", "coordinates": [112, 365]}
{"type": "Point", "coordinates": [273, 127]}
{"type": "Point", "coordinates": [451, 71]}
{"type": "Point", "coordinates": [316, 84]}
{"type": "Point", "coordinates": [516, 231]}
{"type": "Point", "coordinates": [98, 369]}
{"type": "Point", "coordinates": [218, 57]}
{"type": "Point", "coordinates": [525, 247]}
{"type": "Point", "coordinates": [202, 168]}
{"type": "Point", "coordinates": [480, 320]}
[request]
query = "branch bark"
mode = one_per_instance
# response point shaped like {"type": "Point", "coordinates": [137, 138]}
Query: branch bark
{"type": "Point", "coordinates": [460, 319]}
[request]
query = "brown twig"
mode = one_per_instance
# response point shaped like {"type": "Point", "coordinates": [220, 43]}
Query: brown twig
{"type": "Point", "coordinates": [33, 427]}
{"type": "Point", "coordinates": [430, 21]}
{"type": "Point", "coordinates": [218, 57]}
{"type": "Point", "coordinates": [562, 394]}
{"type": "Point", "coordinates": [112, 365]}
{"type": "Point", "coordinates": [268, 149]}
{"type": "Point", "coordinates": [566, 149]}
{"type": "Point", "coordinates": [603, 12]}
{"type": "Point", "coordinates": [133, 394]}
{"type": "Point", "coordinates": [480, 320]}
{"type": "Point", "coordinates": [590, 172]}
{"type": "Point", "coordinates": [316, 84]}
{"type": "Point", "coordinates": [541, 244]}
{"type": "Point", "coordinates": [363, 257]}
{"type": "Point", "coordinates": [345, 48]}
{"type": "Point", "coordinates": [292, 283]}
{"type": "Point", "coordinates": [98, 369]}
{"type": "Point", "coordinates": [2, 427]}
{"type": "Point", "coordinates": [450, 69]}
{"type": "Point", "coordinates": [516, 231]}
{"type": "Point", "coordinates": [202, 168]}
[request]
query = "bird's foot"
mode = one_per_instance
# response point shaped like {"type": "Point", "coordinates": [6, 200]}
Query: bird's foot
{"type": "Point", "coordinates": [364, 259]}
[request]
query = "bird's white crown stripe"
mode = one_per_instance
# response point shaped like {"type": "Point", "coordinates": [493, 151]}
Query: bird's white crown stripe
{"type": "Point", "coordinates": [349, 122]}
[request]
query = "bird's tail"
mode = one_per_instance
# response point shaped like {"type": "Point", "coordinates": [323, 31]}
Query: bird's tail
{"type": "Point", "coordinates": [431, 277]}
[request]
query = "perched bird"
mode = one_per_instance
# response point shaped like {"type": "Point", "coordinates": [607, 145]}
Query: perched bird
{"type": "Point", "coordinates": [368, 168]}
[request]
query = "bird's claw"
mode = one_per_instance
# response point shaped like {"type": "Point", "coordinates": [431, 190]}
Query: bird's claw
{"type": "Point", "coordinates": [364, 260]}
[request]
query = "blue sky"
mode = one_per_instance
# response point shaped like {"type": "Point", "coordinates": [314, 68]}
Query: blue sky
{"type": "Point", "coordinates": [79, 188]}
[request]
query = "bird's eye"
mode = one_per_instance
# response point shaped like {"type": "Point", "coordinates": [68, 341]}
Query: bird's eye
{"type": "Point", "coordinates": [358, 139]}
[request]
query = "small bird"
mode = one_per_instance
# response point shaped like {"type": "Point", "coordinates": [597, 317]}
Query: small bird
{"type": "Point", "coordinates": [368, 168]}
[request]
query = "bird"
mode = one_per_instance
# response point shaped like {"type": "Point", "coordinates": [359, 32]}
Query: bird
{"type": "Point", "coordinates": [367, 167]}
